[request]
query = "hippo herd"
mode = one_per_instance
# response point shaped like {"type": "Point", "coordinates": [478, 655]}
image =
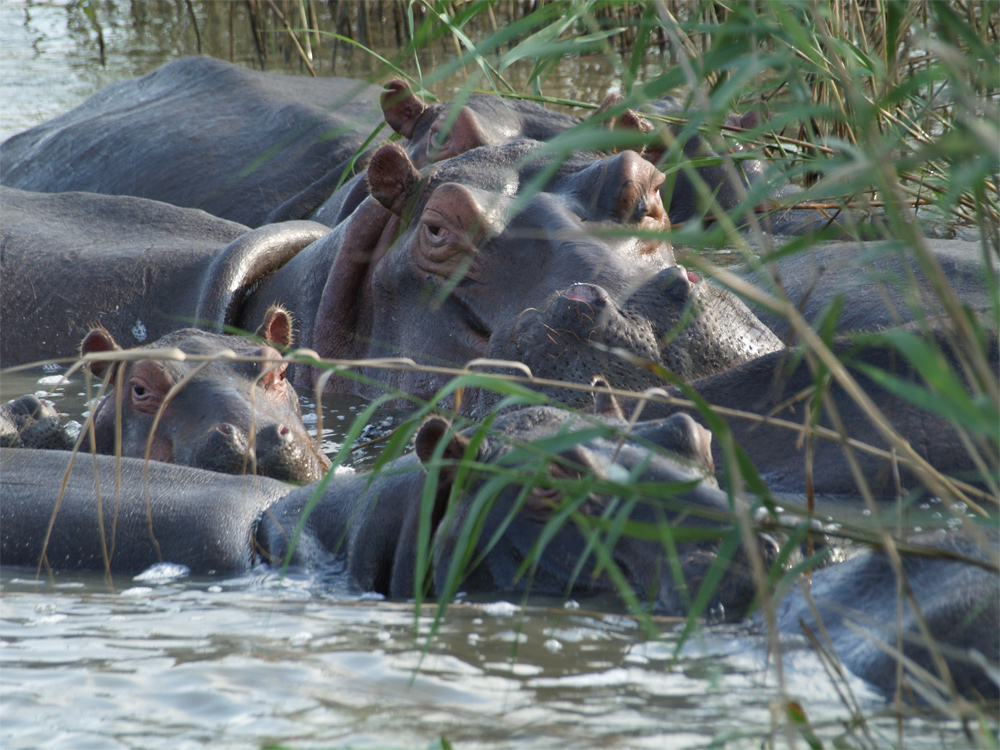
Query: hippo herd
{"type": "Point", "coordinates": [146, 226]}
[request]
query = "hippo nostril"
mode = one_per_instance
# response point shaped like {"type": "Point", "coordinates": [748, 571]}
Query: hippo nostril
{"type": "Point", "coordinates": [283, 430]}
{"type": "Point", "coordinates": [585, 293]}
{"type": "Point", "coordinates": [693, 277]}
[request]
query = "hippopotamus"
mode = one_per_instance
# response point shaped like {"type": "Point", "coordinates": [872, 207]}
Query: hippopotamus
{"type": "Point", "coordinates": [251, 147]}
{"type": "Point", "coordinates": [878, 285]}
{"type": "Point", "coordinates": [199, 133]}
{"type": "Point", "coordinates": [376, 524]}
{"type": "Point", "coordinates": [205, 407]}
{"type": "Point", "coordinates": [212, 401]}
{"type": "Point", "coordinates": [30, 422]}
{"type": "Point", "coordinates": [259, 148]}
{"type": "Point", "coordinates": [957, 589]}
{"type": "Point", "coordinates": [138, 268]}
{"type": "Point", "coordinates": [426, 526]}
{"type": "Point", "coordinates": [453, 246]}
{"type": "Point", "coordinates": [782, 385]}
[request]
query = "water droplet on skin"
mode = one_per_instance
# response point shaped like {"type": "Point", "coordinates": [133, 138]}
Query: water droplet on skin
{"type": "Point", "coordinates": [139, 330]}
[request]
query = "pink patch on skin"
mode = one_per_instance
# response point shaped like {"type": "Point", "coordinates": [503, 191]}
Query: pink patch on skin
{"type": "Point", "coordinates": [693, 277]}
{"type": "Point", "coordinates": [581, 293]}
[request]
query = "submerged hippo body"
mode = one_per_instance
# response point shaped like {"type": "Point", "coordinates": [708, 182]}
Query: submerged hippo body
{"type": "Point", "coordinates": [780, 385]}
{"type": "Point", "coordinates": [218, 414]}
{"type": "Point", "coordinates": [373, 523]}
{"type": "Point", "coordinates": [370, 528]}
{"type": "Point", "coordinates": [958, 601]}
{"type": "Point", "coordinates": [879, 285]}
{"type": "Point", "coordinates": [139, 268]}
{"type": "Point", "coordinates": [199, 133]}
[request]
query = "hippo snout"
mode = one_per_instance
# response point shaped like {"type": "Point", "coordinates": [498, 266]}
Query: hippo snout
{"type": "Point", "coordinates": [278, 453]}
{"type": "Point", "coordinates": [282, 455]}
{"type": "Point", "coordinates": [225, 448]}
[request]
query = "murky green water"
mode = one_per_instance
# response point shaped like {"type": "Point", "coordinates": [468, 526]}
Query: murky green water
{"type": "Point", "coordinates": [260, 660]}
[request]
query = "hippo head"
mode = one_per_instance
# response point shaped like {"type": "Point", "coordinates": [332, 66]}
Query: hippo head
{"type": "Point", "coordinates": [591, 479]}
{"type": "Point", "coordinates": [204, 406]}
{"type": "Point", "coordinates": [442, 130]}
{"type": "Point", "coordinates": [676, 321]}
{"type": "Point", "coordinates": [444, 262]}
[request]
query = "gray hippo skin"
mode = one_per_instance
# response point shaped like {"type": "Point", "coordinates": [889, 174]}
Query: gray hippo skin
{"type": "Point", "coordinates": [874, 284]}
{"type": "Point", "coordinates": [959, 601]}
{"type": "Point", "coordinates": [440, 265]}
{"type": "Point", "coordinates": [199, 133]}
{"type": "Point", "coordinates": [773, 385]}
{"type": "Point", "coordinates": [139, 268]}
{"type": "Point", "coordinates": [373, 523]}
{"type": "Point", "coordinates": [227, 416]}
{"type": "Point", "coordinates": [370, 526]}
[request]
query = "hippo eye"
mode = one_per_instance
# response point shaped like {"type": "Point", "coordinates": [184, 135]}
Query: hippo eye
{"type": "Point", "coordinates": [437, 235]}
{"type": "Point", "coordinates": [138, 390]}
{"type": "Point", "coordinates": [437, 141]}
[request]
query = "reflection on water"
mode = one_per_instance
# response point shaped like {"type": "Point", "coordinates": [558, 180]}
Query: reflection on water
{"type": "Point", "coordinates": [261, 659]}
{"type": "Point", "coordinates": [50, 53]}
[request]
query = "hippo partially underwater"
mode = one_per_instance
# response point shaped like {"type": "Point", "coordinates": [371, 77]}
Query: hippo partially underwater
{"type": "Point", "coordinates": [200, 399]}
{"type": "Point", "coordinates": [259, 148]}
{"type": "Point", "coordinates": [438, 266]}
{"type": "Point", "coordinates": [486, 534]}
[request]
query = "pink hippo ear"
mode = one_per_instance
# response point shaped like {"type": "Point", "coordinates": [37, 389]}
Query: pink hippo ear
{"type": "Point", "coordinates": [401, 107]}
{"type": "Point", "coordinates": [392, 178]}
{"type": "Point", "coordinates": [99, 340]}
{"type": "Point", "coordinates": [277, 327]}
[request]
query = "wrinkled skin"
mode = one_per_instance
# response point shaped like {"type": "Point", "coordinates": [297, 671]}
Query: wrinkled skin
{"type": "Point", "coordinates": [439, 264]}
{"type": "Point", "coordinates": [199, 133]}
{"type": "Point", "coordinates": [227, 416]}
{"type": "Point", "coordinates": [874, 283]}
{"type": "Point", "coordinates": [139, 268]}
{"type": "Point", "coordinates": [29, 422]}
{"type": "Point", "coordinates": [369, 527]}
{"type": "Point", "coordinates": [779, 385]}
{"type": "Point", "coordinates": [432, 267]}
{"type": "Point", "coordinates": [676, 320]}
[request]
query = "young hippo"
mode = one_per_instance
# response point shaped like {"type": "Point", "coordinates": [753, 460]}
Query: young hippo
{"type": "Point", "coordinates": [201, 405]}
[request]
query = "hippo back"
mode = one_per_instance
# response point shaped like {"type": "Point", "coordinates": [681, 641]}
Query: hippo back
{"type": "Point", "coordinates": [164, 513]}
{"type": "Point", "coordinates": [200, 133]}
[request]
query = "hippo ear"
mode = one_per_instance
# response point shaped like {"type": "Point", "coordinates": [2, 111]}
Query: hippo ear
{"type": "Point", "coordinates": [401, 107]}
{"type": "Point", "coordinates": [277, 327]}
{"type": "Point", "coordinates": [682, 435]}
{"type": "Point", "coordinates": [99, 340]}
{"type": "Point", "coordinates": [392, 178]}
{"type": "Point", "coordinates": [605, 404]}
{"type": "Point", "coordinates": [431, 433]}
